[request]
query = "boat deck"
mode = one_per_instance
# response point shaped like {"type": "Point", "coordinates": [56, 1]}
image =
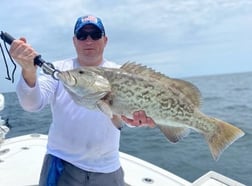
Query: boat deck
{"type": "Point", "coordinates": [21, 160]}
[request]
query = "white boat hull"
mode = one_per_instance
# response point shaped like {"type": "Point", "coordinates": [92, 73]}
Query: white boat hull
{"type": "Point", "coordinates": [21, 160]}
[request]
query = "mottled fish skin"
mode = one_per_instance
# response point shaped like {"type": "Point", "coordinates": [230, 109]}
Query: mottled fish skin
{"type": "Point", "coordinates": [172, 103]}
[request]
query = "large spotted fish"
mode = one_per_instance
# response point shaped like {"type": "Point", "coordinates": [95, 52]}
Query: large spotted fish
{"type": "Point", "coordinates": [172, 103]}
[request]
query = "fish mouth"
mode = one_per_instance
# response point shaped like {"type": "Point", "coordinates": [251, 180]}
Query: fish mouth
{"type": "Point", "coordinates": [67, 78]}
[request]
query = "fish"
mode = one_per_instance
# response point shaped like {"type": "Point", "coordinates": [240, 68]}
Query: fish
{"type": "Point", "coordinates": [173, 104]}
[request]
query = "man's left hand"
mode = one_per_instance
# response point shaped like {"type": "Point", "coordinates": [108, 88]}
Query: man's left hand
{"type": "Point", "coordinates": [139, 119]}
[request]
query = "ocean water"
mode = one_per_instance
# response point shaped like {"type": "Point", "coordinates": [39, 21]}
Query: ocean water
{"type": "Point", "coordinates": [227, 97]}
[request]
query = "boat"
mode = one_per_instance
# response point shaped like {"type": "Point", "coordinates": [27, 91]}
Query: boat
{"type": "Point", "coordinates": [21, 160]}
{"type": "Point", "coordinates": [4, 129]}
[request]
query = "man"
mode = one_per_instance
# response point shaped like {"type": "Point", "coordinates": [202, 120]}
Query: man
{"type": "Point", "coordinates": [83, 145]}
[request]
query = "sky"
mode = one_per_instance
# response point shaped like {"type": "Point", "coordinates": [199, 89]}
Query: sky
{"type": "Point", "coordinates": [180, 38]}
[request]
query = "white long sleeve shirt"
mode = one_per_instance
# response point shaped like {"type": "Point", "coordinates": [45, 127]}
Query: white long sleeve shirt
{"type": "Point", "coordinates": [85, 138]}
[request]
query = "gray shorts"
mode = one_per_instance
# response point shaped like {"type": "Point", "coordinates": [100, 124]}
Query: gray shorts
{"type": "Point", "coordinates": [74, 176]}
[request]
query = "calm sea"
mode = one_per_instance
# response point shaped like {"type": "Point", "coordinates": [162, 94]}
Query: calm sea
{"type": "Point", "coordinates": [228, 97]}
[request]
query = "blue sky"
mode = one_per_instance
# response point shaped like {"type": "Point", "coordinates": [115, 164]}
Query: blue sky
{"type": "Point", "coordinates": [179, 38]}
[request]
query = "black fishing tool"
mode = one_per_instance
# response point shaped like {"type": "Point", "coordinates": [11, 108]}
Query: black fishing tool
{"type": "Point", "coordinates": [47, 67]}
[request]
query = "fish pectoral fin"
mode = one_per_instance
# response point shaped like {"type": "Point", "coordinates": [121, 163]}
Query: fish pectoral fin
{"type": "Point", "coordinates": [105, 108]}
{"type": "Point", "coordinates": [174, 134]}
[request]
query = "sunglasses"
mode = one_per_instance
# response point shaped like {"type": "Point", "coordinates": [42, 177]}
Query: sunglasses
{"type": "Point", "coordinates": [95, 35]}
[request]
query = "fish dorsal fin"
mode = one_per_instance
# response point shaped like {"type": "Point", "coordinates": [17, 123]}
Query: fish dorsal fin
{"type": "Point", "coordinates": [133, 68]}
{"type": "Point", "coordinates": [188, 89]}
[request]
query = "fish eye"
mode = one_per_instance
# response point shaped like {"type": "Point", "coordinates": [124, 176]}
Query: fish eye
{"type": "Point", "coordinates": [81, 72]}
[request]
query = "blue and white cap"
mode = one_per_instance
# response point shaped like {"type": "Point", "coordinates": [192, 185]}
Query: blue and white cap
{"type": "Point", "coordinates": [88, 20]}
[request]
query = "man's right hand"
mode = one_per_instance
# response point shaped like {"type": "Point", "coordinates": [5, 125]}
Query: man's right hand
{"type": "Point", "coordinates": [24, 55]}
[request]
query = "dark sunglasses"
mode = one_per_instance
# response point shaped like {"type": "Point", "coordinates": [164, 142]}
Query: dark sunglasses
{"type": "Point", "coordinates": [95, 35]}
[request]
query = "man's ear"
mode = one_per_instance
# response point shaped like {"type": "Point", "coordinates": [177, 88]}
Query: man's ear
{"type": "Point", "coordinates": [105, 40]}
{"type": "Point", "coordinates": [74, 40]}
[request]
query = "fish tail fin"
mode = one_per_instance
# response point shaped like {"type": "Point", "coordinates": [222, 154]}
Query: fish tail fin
{"type": "Point", "coordinates": [224, 135]}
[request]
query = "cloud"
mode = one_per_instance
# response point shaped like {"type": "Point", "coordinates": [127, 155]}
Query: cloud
{"type": "Point", "coordinates": [172, 19]}
{"type": "Point", "coordinates": [176, 35]}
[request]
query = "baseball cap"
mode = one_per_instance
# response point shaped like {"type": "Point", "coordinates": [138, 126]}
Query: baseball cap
{"type": "Point", "coordinates": [88, 20]}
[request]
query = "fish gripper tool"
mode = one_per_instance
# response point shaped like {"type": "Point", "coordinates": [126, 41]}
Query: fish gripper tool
{"type": "Point", "coordinates": [47, 67]}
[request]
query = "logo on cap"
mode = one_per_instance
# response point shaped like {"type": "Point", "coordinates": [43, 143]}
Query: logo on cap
{"type": "Point", "coordinates": [89, 19]}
